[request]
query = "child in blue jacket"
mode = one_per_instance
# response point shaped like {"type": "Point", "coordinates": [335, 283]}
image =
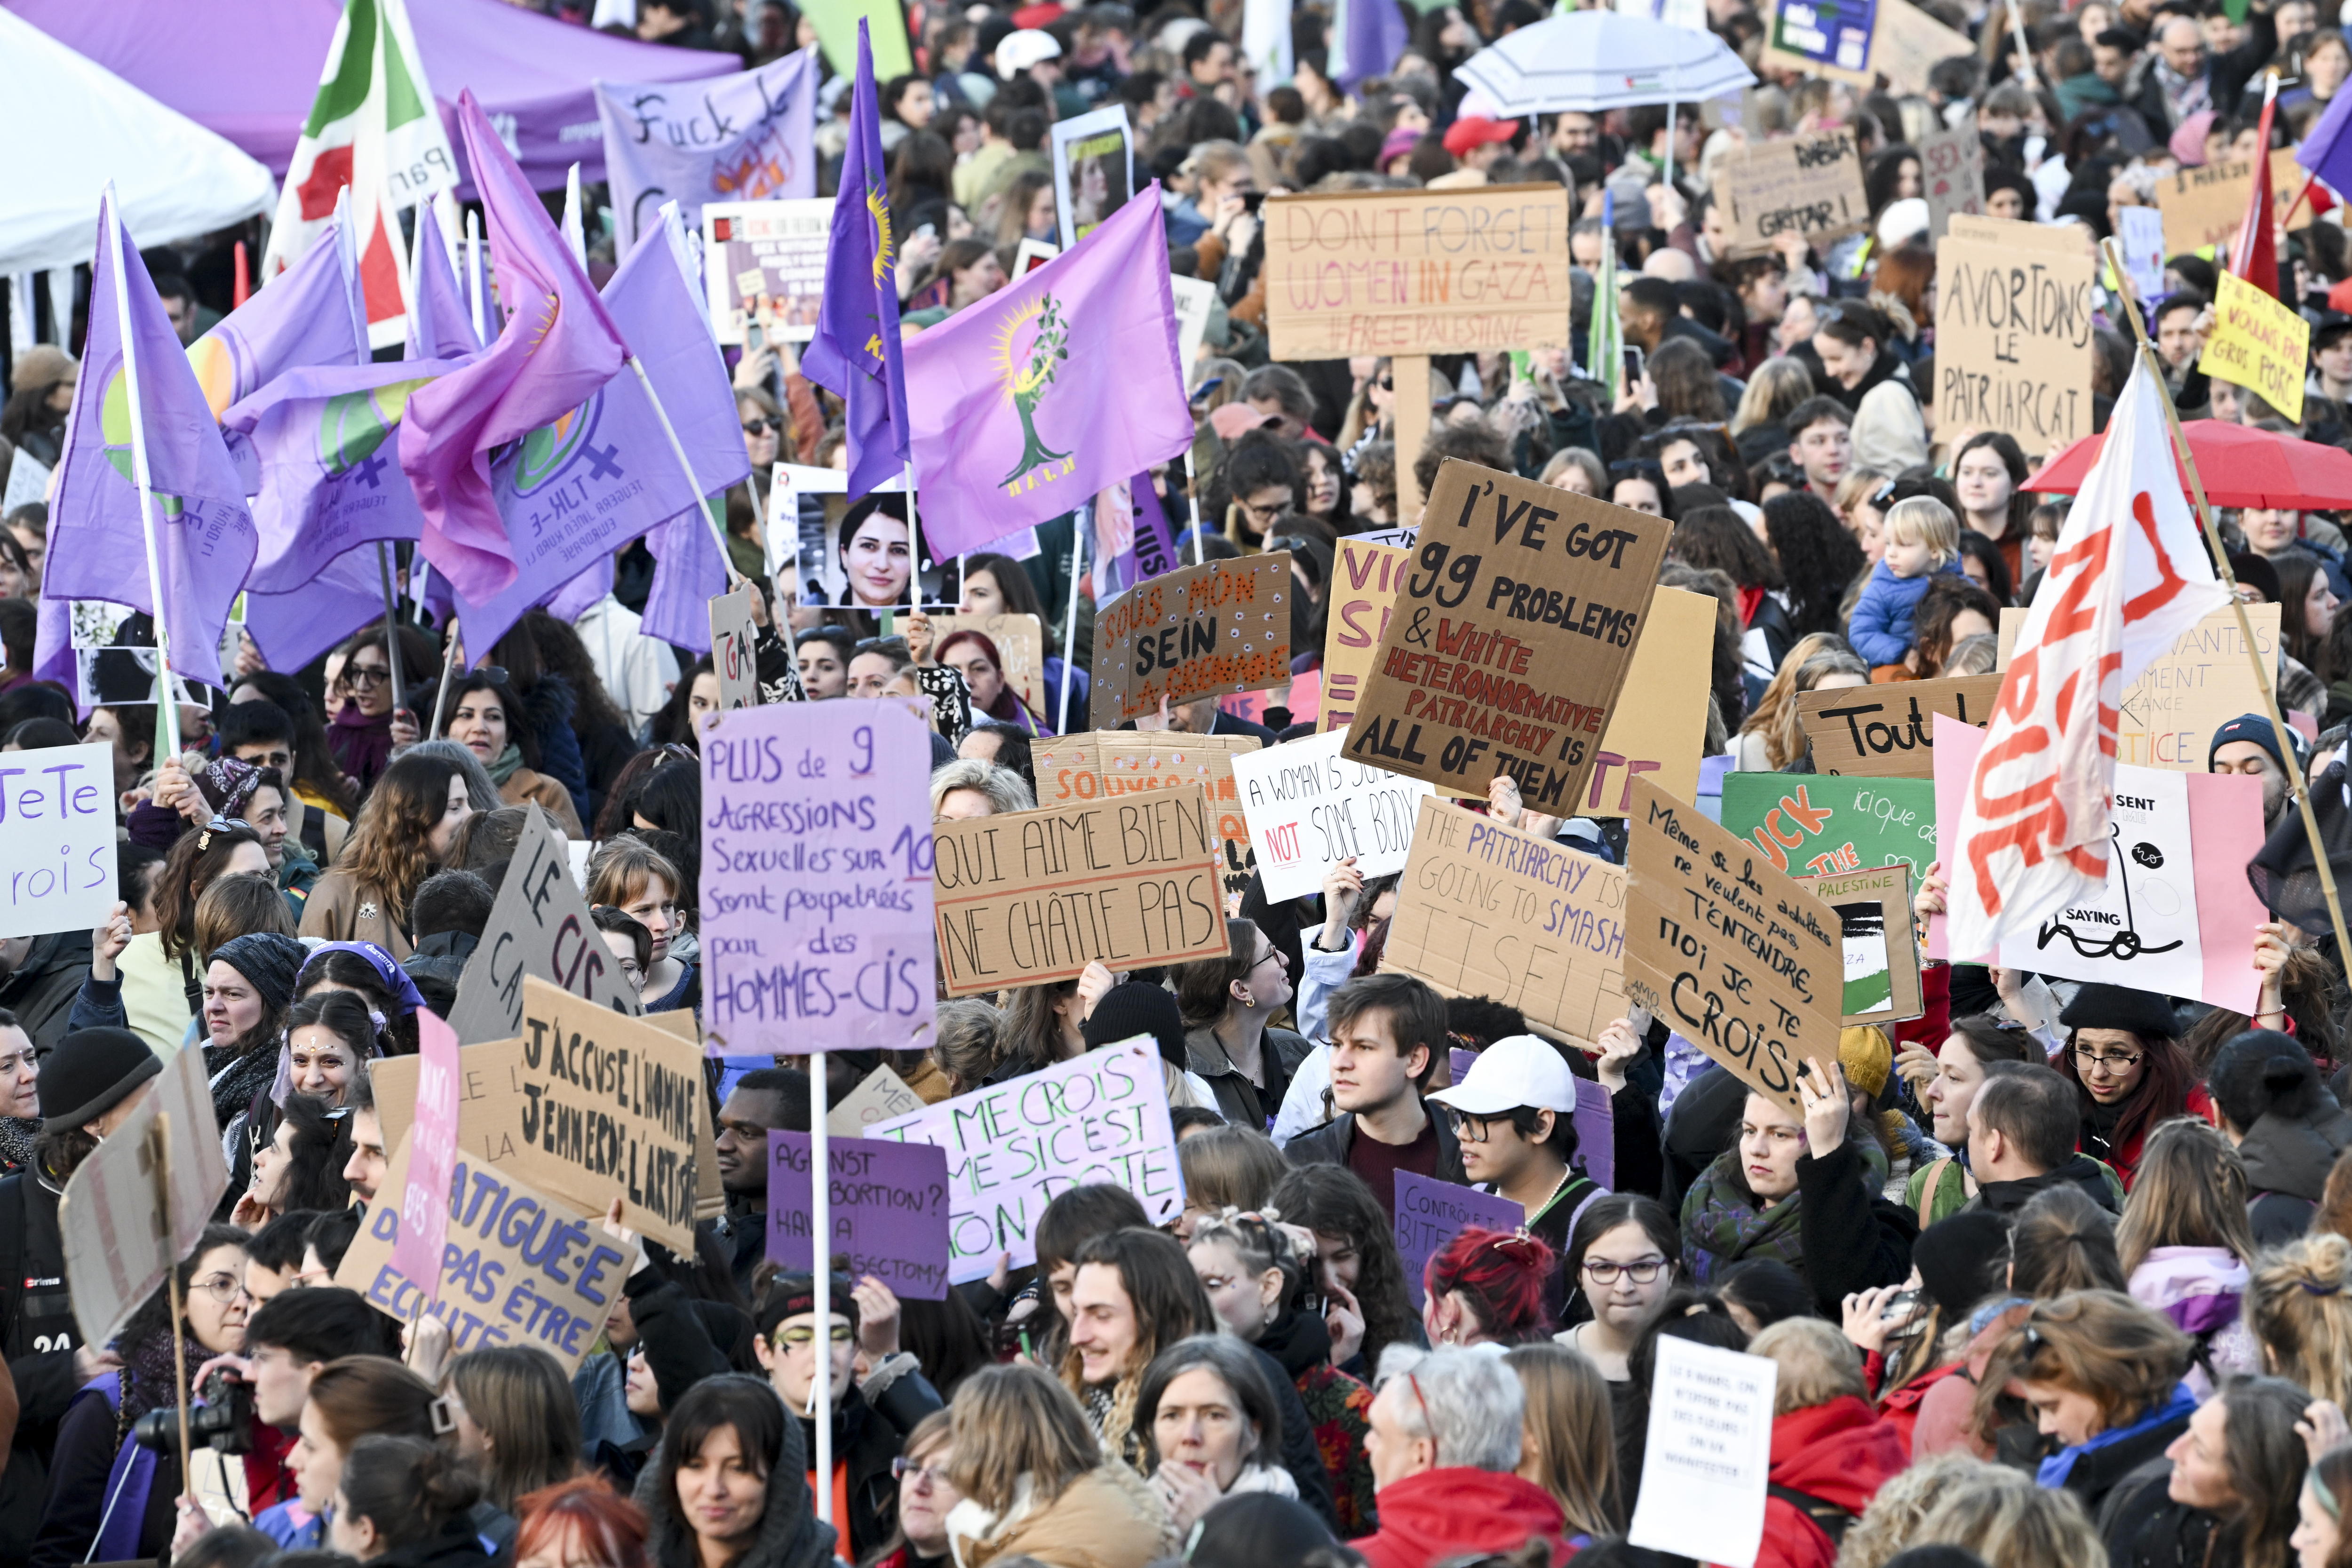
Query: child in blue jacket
{"type": "Point", "coordinates": [1923, 538]}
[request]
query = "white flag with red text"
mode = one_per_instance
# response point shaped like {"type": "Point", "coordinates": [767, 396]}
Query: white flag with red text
{"type": "Point", "coordinates": [2129, 575]}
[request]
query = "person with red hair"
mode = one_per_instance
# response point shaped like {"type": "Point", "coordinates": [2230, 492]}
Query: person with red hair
{"type": "Point", "coordinates": [580, 1523]}
{"type": "Point", "coordinates": [974, 656]}
{"type": "Point", "coordinates": [1487, 1286]}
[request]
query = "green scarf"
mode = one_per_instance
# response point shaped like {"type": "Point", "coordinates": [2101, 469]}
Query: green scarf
{"type": "Point", "coordinates": [504, 768]}
{"type": "Point", "coordinates": [1723, 1225]}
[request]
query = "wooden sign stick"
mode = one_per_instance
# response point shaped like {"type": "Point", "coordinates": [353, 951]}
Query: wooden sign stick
{"type": "Point", "coordinates": [158, 1162]}
{"type": "Point", "coordinates": [1409, 404]}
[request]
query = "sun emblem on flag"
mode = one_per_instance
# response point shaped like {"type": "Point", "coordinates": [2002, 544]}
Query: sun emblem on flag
{"type": "Point", "coordinates": [886, 245]}
{"type": "Point", "coordinates": [1032, 340]}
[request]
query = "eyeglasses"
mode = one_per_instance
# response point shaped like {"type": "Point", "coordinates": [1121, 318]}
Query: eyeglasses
{"type": "Point", "coordinates": [1274, 511]}
{"type": "Point", "coordinates": [1468, 1128]}
{"type": "Point", "coordinates": [2091, 1062]}
{"type": "Point", "coordinates": [1641, 1270]}
{"type": "Point", "coordinates": [801, 1338]}
{"type": "Point", "coordinates": [911, 1474]}
{"type": "Point", "coordinates": [366, 674]}
{"type": "Point", "coordinates": [223, 1288]}
{"type": "Point", "coordinates": [1388, 383]}
{"type": "Point", "coordinates": [760, 426]}
{"type": "Point", "coordinates": [1272, 952]}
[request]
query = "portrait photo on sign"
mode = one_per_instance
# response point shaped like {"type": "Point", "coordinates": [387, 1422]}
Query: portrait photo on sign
{"type": "Point", "coordinates": [1094, 170]}
{"type": "Point", "coordinates": [856, 557]}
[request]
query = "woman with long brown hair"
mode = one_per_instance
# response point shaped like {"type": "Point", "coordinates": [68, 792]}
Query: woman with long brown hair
{"type": "Point", "coordinates": [2124, 1056]}
{"type": "Point", "coordinates": [1772, 738]}
{"type": "Point", "coordinates": [403, 836]}
{"type": "Point", "coordinates": [2186, 1245]}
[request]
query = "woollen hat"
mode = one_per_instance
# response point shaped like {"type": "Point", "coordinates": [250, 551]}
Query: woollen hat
{"type": "Point", "coordinates": [2257, 728]}
{"type": "Point", "coordinates": [794, 1296]}
{"type": "Point", "coordinates": [1399, 141]}
{"type": "Point", "coordinates": [90, 1073]}
{"type": "Point", "coordinates": [1138, 1007]}
{"type": "Point", "coordinates": [2103, 1006]}
{"type": "Point", "coordinates": [268, 960]}
{"type": "Point", "coordinates": [1867, 1058]}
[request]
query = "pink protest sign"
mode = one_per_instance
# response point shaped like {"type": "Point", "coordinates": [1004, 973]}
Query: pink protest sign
{"type": "Point", "coordinates": [817, 879]}
{"type": "Point", "coordinates": [432, 1151]}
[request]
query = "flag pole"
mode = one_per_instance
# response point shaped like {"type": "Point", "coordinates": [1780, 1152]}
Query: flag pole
{"type": "Point", "coordinates": [821, 1277]}
{"type": "Point", "coordinates": [456, 667]}
{"type": "Point", "coordinates": [391, 621]}
{"type": "Point", "coordinates": [1070, 622]}
{"type": "Point", "coordinates": [1192, 494]}
{"type": "Point", "coordinates": [474, 278]}
{"type": "Point", "coordinates": [914, 545]}
{"type": "Point", "coordinates": [167, 707]}
{"type": "Point", "coordinates": [2262, 680]}
{"type": "Point", "coordinates": [734, 578]}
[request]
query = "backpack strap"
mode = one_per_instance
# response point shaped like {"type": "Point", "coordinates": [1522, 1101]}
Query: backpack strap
{"type": "Point", "coordinates": [1827, 1517]}
{"type": "Point", "coordinates": [1928, 1189]}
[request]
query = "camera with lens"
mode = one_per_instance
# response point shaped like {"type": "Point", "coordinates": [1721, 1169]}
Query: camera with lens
{"type": "Point", "coordinates": [224, 1422]}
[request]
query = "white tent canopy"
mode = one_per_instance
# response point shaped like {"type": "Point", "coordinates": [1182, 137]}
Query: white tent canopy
{"type": "Point", "coordinates": [1596, 60]}
{"type": "Point", "coordinates": [174, 178]}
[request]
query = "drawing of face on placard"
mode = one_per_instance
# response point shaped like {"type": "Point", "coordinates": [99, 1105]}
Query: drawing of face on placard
{"type": "Point", "coordinates": [2142, 930]}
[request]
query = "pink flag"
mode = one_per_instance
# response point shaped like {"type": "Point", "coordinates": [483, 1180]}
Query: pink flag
{"type": "Point", "coordinates": [1049, 392]}
{"type": "Point", "coordinates": [558, 348]}
{"type": "Point", "coordinates": [2129, 576]}
{"type": "Point", "coordinates": [432, 1155]}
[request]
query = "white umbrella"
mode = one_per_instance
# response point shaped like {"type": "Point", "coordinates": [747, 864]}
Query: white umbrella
{"type": "Point", "coordinates": [1594, 60]}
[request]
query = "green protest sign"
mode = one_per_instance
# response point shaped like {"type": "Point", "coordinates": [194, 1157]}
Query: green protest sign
{"type": "Point", "coordinates": [1818, 824]}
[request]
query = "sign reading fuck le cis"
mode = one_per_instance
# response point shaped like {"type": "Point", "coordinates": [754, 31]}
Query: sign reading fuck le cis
{"type": "Point", "coordinates": [817, 879]}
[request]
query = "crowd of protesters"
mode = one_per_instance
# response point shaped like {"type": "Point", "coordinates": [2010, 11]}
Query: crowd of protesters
{"type": "Point", "coordinates": [2055, 1276]}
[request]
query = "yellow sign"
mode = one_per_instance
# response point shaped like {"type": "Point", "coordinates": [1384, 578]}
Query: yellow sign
{"type": "Point", "coordinates": [2259, 345]}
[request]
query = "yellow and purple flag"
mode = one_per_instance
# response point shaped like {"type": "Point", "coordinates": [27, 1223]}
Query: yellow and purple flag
{"type": "Point", "coordinates": [1048, 391]}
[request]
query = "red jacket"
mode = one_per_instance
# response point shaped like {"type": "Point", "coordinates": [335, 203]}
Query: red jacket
{"type": "Point", "coordinates": [1841, 1453]}
{"type": "Point", "coordinates": [1447, 1512]}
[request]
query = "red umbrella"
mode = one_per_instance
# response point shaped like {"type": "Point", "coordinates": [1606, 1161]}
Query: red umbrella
{"type": "Point", "coordinates": [2241, 467]}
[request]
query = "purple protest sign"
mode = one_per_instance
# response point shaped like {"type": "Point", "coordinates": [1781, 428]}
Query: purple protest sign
{"type": "Point", "coordinates": [431, 1153]}
{"type": "Point", "coordinates": [1430, 1213]}
{"type": "Point", "coordinates": [1596, 1123]}
{"type": "Point", "coordinates": [889, 1211]}
{"type": "Point", "coordinates": [817, 879]}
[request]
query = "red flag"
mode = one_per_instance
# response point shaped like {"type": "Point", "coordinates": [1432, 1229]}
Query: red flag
{"type": "Point", "coordinates": [2254, 256]}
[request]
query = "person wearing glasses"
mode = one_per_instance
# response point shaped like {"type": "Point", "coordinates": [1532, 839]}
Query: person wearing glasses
{"type": "Point", "coordinates": [2124, 1056]}
{"type": "Point", "coordinates": [925, 1495]}
{"type": "Point", "coordinates": [94, 1459]}
{"type": "Point", "coordinates": [1621, 1259]}
{"type": "Point", "coordinates": [865, 1442]}
{"type": "Point", "coordinates": [361, 735]}
{"type": "Point", "coordinates": [1228, 1004]}
{"type": "Point", "coordinates": [1260, 484]}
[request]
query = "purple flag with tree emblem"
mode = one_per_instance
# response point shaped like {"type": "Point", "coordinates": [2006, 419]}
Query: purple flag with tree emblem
{"type": "Point", "coordinates": [1051, 390]}
{"type": "Point", "coordinates": [439, 324]}
{"type": "Point", "coordinates": [856, 352]}
{"type": "Point", "coordinates": [204, 535]}
{"type": "Point", "coordinates": [559, 349]}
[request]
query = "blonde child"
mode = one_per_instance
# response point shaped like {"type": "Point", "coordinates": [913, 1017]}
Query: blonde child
{"type": "Point", "coordinates": [1923, 538]}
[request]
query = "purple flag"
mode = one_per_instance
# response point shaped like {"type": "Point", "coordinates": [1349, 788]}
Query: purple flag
{"type": "Point", "coordinates": [204, 535]}
{"type": "Point", "coordinates": [857, 353]}
{"type": "Point", "coordinates": [559, 348]}
{"type": "Point", "coordinates": [439, 324]}
{"type": "Point", "coordinates": [575, 598]}
{"type": "Point", "coordinates": [1374, 34]}
{"type": "Point", "coordinates": [309, 314]}
{"type": "Point", "coordinates": [1051, 390]}
{"type": "Point", "coordinates": [1155, 548]}
{"type": "Point", "coordinates": [294, 628]}
{"type": "Point", "coordinates": [605, 474]}
{"type": "Point", "coordinates": [688, 572]}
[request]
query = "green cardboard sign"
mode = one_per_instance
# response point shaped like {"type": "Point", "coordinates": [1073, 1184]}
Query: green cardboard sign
{"type": "Point", "coordinates": [1815, 824]}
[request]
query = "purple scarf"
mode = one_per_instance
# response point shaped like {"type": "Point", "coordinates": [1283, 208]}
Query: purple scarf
{"type": "Point", "coordinates": [362, 745]}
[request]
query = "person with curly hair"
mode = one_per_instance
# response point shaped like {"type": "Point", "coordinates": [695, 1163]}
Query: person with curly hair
{"type": "Point", "coordinates": [403, 836]}
{"type": "Point", "coordinates": [1355, 1262]}
{"type": "Point", "coordinates": [1816, 557]}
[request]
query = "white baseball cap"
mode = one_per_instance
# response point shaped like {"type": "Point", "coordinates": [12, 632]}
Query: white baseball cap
{"type": "Point", "coordinates": [1017, 51]}
{"type": "Point", "coordinates": [1517, 1070]}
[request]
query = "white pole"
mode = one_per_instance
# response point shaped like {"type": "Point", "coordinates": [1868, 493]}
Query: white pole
{"type": "Point", "coordinates": [474, 284]}
{"type": "Point", "coordinates": [694, 484]}
{"type": "Point", "coordinates": [167, 706]}
{"type": "Point", "coordinates": [1192, 493]}
{"type": "Point", "coordinates": [914, 545]}
{"type": "Point", "coordinates": [1070, 628]}
{"type": "Point", "coordinates": [821, 1251]}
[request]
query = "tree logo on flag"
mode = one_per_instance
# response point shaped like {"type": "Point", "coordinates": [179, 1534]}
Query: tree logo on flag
{"type": "Point", "coordinates": [1028, 369]}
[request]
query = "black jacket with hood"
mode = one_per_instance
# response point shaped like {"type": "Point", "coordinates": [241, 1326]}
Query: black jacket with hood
{"type": "Point", "coordinates": [789, 1534]}
{"type": "Point", "coordinates": [2287, 1160]}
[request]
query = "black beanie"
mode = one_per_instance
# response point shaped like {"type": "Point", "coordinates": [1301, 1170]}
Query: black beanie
{"type": "Point", "coordinates": [1138, 1007]}
{"type": "Point", "coordinates": [1257, 1530]}
{"type": "Point", "coordinates": [89, 1072]}
{"type": "Point", "coordinates": [2141, 1013]}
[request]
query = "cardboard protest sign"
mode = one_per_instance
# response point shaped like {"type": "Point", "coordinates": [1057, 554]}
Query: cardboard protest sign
{"type": "Point", "coordinates": [1807, 186]}
{"type": "Point", "coordinates": [1309, 808]}
{"type": "Point", "coordinates": [1881, 959]}
{"type": "Point", "coordinates": [1033, 896]}
{"type": "Point", "coordinates": [2204, 205]}
{"type": "Point", "coordinates": [888, 1211]}
{"type": "Point", "coordinates": [817, 879]}
{"type": "Point", "coordinates": [1096, 764]}
{"type": "Point", "coordinates": [2259, 345]}
{"type": "Point", "coordinates": [1512, 633]}
{"type": "Point", "coordinates": [763, 266]}
{"type": "Point", "coordinates": [1708, 1459]}
{"type": "Point", "coordinates": [1364, 579]}
{"type": "Point", "coordinates": [1487, 911]}
{"type": "Point", "coordinates": [56, 839]}
{"type": "Point", "coordinates": [1417, 272]}
{"type": "Point", "coordinates": [733, 634]}
{"type": "Point", "coordinates": [1661, 732]}
{"type": "Point", "coordinates": [1883, 732]}
{"type": "Point", "coordinates": [1951, 174]}
{"type": "Point", "coordinates": [2178, 915]}
{"type": "Point", "coordinates": [1739, 959]}
{"type": "Point", "coordinates": [881, 1096]}
{"type": "Point", "coordinates": [2167, 715]}
{"type": "Point", "coordinates": [1199, 631]}
{"type": "Point", "coordinates": [1908, 44]}
{"type": "Point", "coordinates": [1020, 643]}
{"type": "Point", "coordinates": [1430, 1213]}
{"type": "Point", "coordinates": [1012, 1148]}
{"type": "Point", "coordinates": [539, 928]}
{"type": "Point", "coordinates": [120, 1241]}
{"type": "Point", "coordinates": [1094, 169]}
{"type": "Point", "coordinates": [1817, 826]}
{"type": "Point", "coordinates": [2013, 337]}
{"type": "Point", "coordinates": [517, 1268]}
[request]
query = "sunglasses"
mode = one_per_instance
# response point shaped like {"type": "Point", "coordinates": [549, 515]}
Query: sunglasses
{"type": "Point", "coordinates": [760, 426]}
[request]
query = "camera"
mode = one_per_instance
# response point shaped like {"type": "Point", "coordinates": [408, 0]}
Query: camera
{"type": "Point", "coordinates": [222, 1422]}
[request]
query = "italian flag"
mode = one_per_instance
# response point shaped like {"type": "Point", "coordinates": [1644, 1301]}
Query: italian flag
{"type": "Point", "coordinates": [374, 129]}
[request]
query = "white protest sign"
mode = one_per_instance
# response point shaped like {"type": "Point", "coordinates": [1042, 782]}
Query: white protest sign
{"type": "Point", "coordinates": [56, 839]}
{"type": "Point", "coordinates": [1308, 808]}
{"type": "Point", "coordinates": [2142, 241]}
{"type": "Point", "coordinates": [881, 1096]}
{"type": "Point", "coordinates": [28, 479]}
{"type": "Point", "coordinates": [1195, 299]}
{"type": "Point", "coordinates": [1012, 1148]}
{"type": "Point", "coordinates": [1708, 1456]}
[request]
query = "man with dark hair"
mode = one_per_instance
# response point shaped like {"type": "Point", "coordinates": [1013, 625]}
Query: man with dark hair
{"type": "Point", "coordinates": [1387, 1033]}
{"type": "Point", "coordinates": [1208, 63]}
{"type": "Point", "coordinates": [765, 1100]}
{"type": "Point", "coordinates": [823, 654]}
{"type": "Point", "coordinates": [289, 1341]}
{"type": "Point", "coordinates": [2023, 1127]}
{"type": "Point", "coordinates": [365, 1170]}
{"type": "Point", "coordinates": [180, 304]}
{"type": "Point", "coordinates": [1472, 440]}
{"type": "Point", "coordinates": [273, 1258]}
{"type": "Point", "coordinates": [1821, 442]}
{"type": "Point", "coordinates": [1263, 481]}
{"type": "Point", "coordinates": [451, 910]}
{"type": "Point", "coordinates": [1515, 1114]}
{"type": "Point", "coordinates": [39, 978]}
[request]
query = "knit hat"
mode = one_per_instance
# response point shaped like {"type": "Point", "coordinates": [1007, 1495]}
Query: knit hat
{"type": "Point", "coordinates": [1960, 1259]}
{"type": "Point", "coordinates": [1868, 1058]}
{"type": "Point", "coordinates": [794, 1296]}
{"type": "Point", "coordinates": [1257, 1530]}
{"type": "Point", "coordinates": [90, 1073]}
{"type": "Point", "coordinates": [2255, 570]}
{"type": "Point", "coordinates": [2187, 143]}
{"type": "Point", "coordinates": [2255, 728]}
{"type": "Point", "coordinates": [268, 960]}
{"type": "Point", "coordinates": [1138, 1007]}
{"type": "Point", "coordinates": [1396, 145]}
{"type": "Point", "coordinates": [2102, 1006]}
